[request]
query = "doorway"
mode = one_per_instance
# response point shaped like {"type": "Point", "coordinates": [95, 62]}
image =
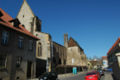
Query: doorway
{"type": "Point", "coordinates": [29, 65]}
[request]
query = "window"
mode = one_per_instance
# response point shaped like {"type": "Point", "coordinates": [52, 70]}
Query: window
{"type": "Point", "coordinates": [39, 49]}
{"type": "Point", "coordinates": [30, 44]}
{"type": "Point", "coordinates": [4, 37]}
{"type": "Point", "coordinates": [20, 42]}
{"type": "Point", "coordinates": [18, 62]}
{"type": "Point", "coordinates": [3, 61]}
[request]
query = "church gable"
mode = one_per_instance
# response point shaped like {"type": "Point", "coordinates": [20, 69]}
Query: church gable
{"type": "Point", "coordinates": [72, 43]}
{"type": "Point", "coordinates": [28, 19]}
{"type": "Point", "coordinates": [25, 9]}
{"type": "Point", "coordinates": [26, 16]}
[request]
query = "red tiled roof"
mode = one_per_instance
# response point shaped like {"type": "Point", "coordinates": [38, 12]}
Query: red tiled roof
{"type": "Point", "coordinates": [72, 43]}
{"type": "Point", "coordinates": [118, 40]}
{"type": "Point", "coordinates": [6, 18]}
{"type": "Point", "coordinates": [104, 57]}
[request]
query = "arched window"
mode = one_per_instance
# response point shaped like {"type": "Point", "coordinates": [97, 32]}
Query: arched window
{"type": "Point", "coordinates": [39, 49]}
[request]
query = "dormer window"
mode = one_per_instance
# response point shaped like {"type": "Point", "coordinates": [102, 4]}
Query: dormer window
{"type": "Point", "coordinates": [15, 22]}
{"type": "Point", "coordinates": [2, 20]}
{"type": "Point", "coordinates": [4, 37]}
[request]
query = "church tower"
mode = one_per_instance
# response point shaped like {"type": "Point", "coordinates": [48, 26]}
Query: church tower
{"type": "Point", "coordinates": [28, 19]}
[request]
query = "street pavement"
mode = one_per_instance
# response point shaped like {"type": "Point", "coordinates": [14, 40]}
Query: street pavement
{"type": "Point", "coordinates": [80, 76]}
{"type": "Point", "coordinates": [108, 76]}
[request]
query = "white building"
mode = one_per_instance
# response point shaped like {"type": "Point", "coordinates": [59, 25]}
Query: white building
{"type": "Point", "coordinates": [105, 62]}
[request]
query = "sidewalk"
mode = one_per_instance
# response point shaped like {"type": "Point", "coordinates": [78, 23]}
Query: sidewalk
{"type": "Point", "coordinates": [69, 74]}
{"type": "Point", "coordinates": [108, 76]}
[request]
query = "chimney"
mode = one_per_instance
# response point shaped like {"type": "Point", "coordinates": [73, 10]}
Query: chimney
{"type": "Point", "coordinates": [66, 40]}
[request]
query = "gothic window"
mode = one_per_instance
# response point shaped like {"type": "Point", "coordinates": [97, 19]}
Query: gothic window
{"type": "Point", "coordinates": [20, 42]}
{"type": "Point", "coordinates": [3, 61]}
{"type": "Point", "coordinates": [4, 37]}
{"type": "Point", "coordinates": [39, 49]}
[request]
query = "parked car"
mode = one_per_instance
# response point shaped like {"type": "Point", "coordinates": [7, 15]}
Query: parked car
{"type": "Point", "coordinates": [94, 75]}
{"type": "Point", "coordinates": [109, 69]}
{"type": "Point", "coordinates": [48, 76]}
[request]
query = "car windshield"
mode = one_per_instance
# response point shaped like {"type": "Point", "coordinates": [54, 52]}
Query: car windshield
{"type": "Point", "coordinates": [90, 74]}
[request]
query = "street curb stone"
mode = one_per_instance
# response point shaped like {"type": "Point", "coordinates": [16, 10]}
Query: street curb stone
{"type": "Point", "coordinates": [69, 75]}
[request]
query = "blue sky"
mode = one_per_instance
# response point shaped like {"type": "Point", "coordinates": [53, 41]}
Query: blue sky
{"type": "Point", "coordinates": [94, 24]}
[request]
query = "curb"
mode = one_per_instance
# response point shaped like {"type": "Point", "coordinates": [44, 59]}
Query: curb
{"type": "Point", "coordinates": [69, 75]}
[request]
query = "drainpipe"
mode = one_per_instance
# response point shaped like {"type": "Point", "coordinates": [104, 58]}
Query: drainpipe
{"type": "Point", "coordinates": [52, 55]}
{"type": "Point", "coordinates": [47, 64]}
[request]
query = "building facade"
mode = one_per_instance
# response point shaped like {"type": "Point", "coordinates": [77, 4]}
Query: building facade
{"type": "Point", "coordinates": [104, 62]}
{"type": "Point", "coordinates": [113, 56]}
{"type": "Point", "coordinates": [43, 47]}
{"type": "Point", "coordinates": [75, 54]}
{"type": "Point", "coordinates": [17, 50]}
{"type": "Point", "coordinates": [59, 55]}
